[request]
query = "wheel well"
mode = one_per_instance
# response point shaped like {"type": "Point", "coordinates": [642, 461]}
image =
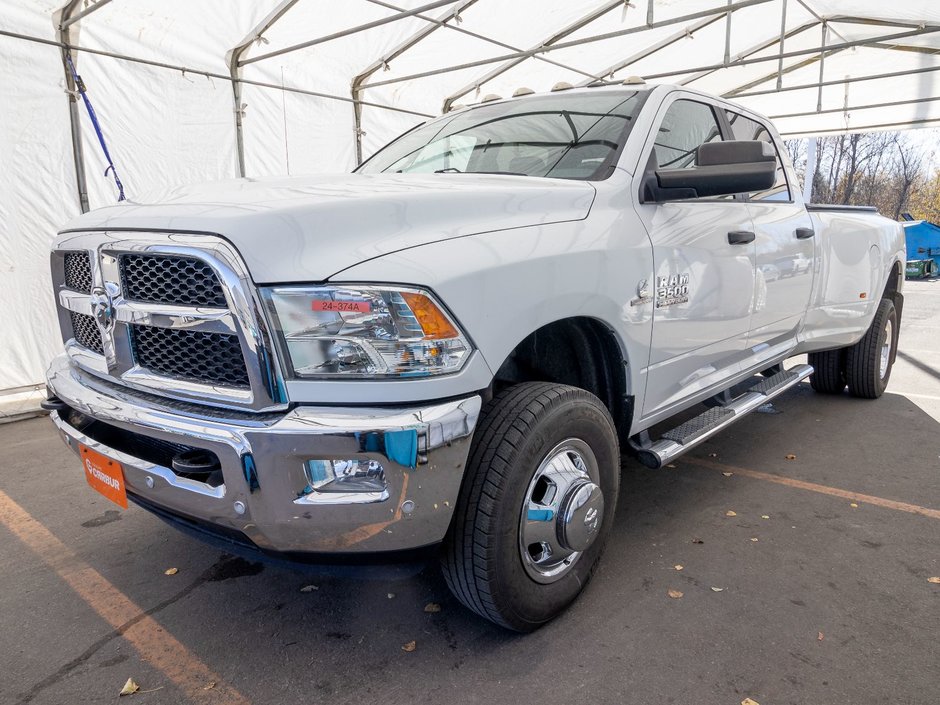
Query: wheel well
{"type": "Point", "coordinates": [580, 352]}
{"type": "Point", "coordinates": [893, 286]}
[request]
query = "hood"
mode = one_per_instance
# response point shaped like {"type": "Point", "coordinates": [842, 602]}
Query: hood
{"type": "Point", "coordinates": [301, 229]}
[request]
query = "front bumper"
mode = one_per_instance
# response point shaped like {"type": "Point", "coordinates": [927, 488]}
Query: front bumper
{"type": "Point", "coordinates": [264, 495]}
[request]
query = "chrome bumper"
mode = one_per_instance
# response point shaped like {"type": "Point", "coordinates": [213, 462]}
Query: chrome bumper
{"type": "Point", "coordinates": [265, 494]}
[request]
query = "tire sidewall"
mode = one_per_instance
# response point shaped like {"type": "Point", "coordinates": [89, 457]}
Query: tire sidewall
{"type": "Point", "coordinates": [531, 603]}
{"type": "Point", "coordinates": [888, 313]}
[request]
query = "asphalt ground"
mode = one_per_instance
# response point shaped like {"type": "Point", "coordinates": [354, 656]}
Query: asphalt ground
{"type": "Point", "coordinates": [816, 590]}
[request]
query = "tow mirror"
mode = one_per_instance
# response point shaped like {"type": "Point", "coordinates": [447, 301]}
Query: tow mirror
{"type": "Point", "coordinates": [721, 168]}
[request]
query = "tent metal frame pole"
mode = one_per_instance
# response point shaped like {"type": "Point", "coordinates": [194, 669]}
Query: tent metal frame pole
{"type": "Point", "coordinates": [232, 59]}
{"type": "Point", "coordinates": [852, 108]}
{"type": "Point", "coordinates": [359, 78]}
{"type": "Point", "coordinates": [728, 33]}
{"type": "Point", "coordinates": [809, 61]}
{"type": "Point", "coordinates": [351, 30]}
{"type": "Point", "coordinates": [662, 44]}
{"type": "Point", "coordinates": [206, 74]}
{"type": "Point", "coordinates": [751, 51]}
{"type": "Point", "coordinates": [78, 151]}
{"type": "Point", "coordinates": [783, 37]}
{"type": "Point", "coordinates": [522, 56]}
{"type": "Point", "coordinates": [801, 52]}
{"type": "Point", "coordinates": [574, 42]}
{"type": "Point", "coordinates": [822, 65]}
{"type": "Point", "coordinates": [482, 37]}
{"type": "Point", "coordinates": [839, 81]}
{"type": "Point", "coordinates": [907, 124]}
{"type": "Point", "coordinates": [72, 19]}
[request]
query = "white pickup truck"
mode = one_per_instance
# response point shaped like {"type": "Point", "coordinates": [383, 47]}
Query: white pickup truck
{"type": "Point", "coordinates": [448, 350]}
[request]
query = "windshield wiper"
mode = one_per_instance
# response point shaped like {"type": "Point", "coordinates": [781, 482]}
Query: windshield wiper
{"type": "Point", "coordinates": [455, 170]}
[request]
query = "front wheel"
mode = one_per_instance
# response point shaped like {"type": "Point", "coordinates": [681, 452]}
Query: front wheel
{"type": "Point", "coordinates": [868, 363]}
{"type": "Point", "coordinates": [536, 505]}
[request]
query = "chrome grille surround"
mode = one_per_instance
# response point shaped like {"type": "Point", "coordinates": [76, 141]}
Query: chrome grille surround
{"type": "Point", "coordinates": [240, 319]}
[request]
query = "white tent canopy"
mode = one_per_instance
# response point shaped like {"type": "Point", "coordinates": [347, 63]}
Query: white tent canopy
{"type": "Point", "coordinates": [194, 91]}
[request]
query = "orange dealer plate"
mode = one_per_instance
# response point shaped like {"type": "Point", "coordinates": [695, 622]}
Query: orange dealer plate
{"type": "Point", "coordinates": [104, 475]}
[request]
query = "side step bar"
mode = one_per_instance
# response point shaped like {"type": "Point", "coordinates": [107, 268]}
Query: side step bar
{"type": "Point", "coordinates": [694, 431]}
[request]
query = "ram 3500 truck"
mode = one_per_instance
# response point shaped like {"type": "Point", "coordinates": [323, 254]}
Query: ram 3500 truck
{"type": "Point", "coordinates": [450, 348]}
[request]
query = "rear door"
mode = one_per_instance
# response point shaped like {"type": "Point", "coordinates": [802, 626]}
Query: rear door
{"type": "Point", "coordinates": [786, 251]}
{"type": "Point", "coordinates": [703, 285]}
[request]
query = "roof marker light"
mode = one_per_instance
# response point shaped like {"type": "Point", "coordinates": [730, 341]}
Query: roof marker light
{"type": "Point", "coordinates": [522, 90]}
{"type": "Point", "coordinates": [562, 86]}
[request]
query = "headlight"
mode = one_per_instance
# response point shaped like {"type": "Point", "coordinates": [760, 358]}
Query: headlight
{"type": "Point", "coordinates": [365, 331]}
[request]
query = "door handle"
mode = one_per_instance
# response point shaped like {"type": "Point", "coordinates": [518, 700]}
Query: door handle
{"type": "Point", "coordinates": [804, 233]}
{"type": "Point", "coordinates": [740, 237]}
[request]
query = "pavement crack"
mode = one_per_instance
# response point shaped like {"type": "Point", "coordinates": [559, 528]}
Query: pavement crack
{"type": "Point", "coordinates": [223, 566]}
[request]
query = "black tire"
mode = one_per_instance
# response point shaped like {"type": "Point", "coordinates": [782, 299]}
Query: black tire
{"type": "Point", "coordinates": [828, 371]}
{"type": "Point", "coordinates": [482, 561]}
{"type": "Point", "coordinates": [863, 369]}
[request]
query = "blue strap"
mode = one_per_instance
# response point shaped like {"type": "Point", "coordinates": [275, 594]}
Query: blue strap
{"type": "Point", "coordinates": [80, 85]}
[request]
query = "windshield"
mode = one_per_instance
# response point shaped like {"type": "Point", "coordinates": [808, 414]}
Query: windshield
{"type": "Point", "coordinates": [573, 136]}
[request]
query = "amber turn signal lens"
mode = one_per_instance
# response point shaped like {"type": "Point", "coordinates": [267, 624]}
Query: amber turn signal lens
{"type": "Point", "coordinates": [433, 321]}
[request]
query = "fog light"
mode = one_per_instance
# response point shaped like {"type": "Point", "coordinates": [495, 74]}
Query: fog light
{"type": "Point", "coordinates": [338, 475]}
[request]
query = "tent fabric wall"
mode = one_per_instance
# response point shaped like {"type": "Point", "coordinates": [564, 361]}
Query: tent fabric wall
{"type": "Point", "coordinates": [167, 126]}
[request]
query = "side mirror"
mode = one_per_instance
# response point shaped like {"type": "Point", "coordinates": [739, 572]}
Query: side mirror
{"type": "Point", "coordinates": [721, 168]}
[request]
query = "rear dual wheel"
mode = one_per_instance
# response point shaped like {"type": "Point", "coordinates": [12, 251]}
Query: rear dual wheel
{"type": "Point", "coordinates": [536, 505]}
{"type": "Point", "coordinates": [864, 367]}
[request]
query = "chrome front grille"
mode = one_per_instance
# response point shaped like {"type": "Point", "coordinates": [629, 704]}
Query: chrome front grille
{"type": "Point", "coordinates": [184, 281]}
{"type": "Point", "coordinates": [214, 358]}
{"type": "Point", "coordinates": [78, 272]}
{"type": "Point", "coordinates": [170, 314]}
{"type": "Point", "coordinates": [86, 332]}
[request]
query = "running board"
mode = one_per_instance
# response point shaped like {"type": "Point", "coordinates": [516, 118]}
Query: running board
{"type": "Point", "coordinates": [696, 430]}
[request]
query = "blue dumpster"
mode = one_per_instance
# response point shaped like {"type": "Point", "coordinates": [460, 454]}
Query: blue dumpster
{"type": "Point", "coordinates": [923, 248]}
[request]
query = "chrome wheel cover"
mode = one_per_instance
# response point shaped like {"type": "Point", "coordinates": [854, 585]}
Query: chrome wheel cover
{"type": "Point", "coordinates": [886, 350]}
{"type": "Point", "coordinates": [562, 511]}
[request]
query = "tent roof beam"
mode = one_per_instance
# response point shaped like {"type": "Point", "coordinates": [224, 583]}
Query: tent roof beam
{"type": "Point", "coordinates": [574, 42]}
{"type": "Point", "coordinates": [349, 31]}
{"type": "Point", "coordinates": [521, 56]}
{"type": "Point", "coordinates": [69, 19]}
{"type": "Point", "coordinates": [482, 37]}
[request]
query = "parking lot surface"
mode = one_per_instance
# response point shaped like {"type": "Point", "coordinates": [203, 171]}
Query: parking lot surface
{"type": "Point", "coordinates": [803, 579]}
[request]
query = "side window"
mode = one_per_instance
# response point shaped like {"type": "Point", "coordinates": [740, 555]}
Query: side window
{"type": "Point", "coordinates": [686, 125]}
{"type": "Point", "coordinates": [744, 128]}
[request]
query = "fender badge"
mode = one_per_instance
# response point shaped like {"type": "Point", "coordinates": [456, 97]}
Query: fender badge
{"type": "Point", "coordinates": [642, 294]}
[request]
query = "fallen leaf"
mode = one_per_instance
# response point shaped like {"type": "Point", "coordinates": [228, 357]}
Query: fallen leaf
{"type": "Point", "coordinates": [670, 465]}
{"type": "Point", "coordinates": [748, 701]}
{"type": "Point", "coordinates": [716, 589]}
{"type": "Point", "coordinates": [754, 539]}
{"type": "Point", "coordinates": [674, 594]}
{"type": "Point", "coordinates": [819, 637]}
{"type": "Point", "coordinates": [730, 513]}
{"type": "Point", "coordinates": [764, 516]}
{"type": "Point", "coordinates": [935, 580]}
{"type": "Point", "coordinates": [432, 607]}
{"type": "Point", "coordinates": [713, 455]}
{"type": "Point", "coordinates": [678, 567]}
{"type": "Point", "coordinates": [309, 588]}
{"type": "Point", "coordinates": [727, 474]}
{"type": "Point", "coordinates": [697, 541]}
{"type": "Point", "coordinates": [210, 686]}
{"type": "Point", "coordinates": [171, 571]}
{"type": "Point", "coordinates": [129, 688]}
{"type": "Point", "coordinates": [790, 456]}
{"type": "Point", "coordinates": [391, 595]}
{"type": "Point", "coordinates": [410, 646]}
{"type": "Point", "coordinates": [853, 505]}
